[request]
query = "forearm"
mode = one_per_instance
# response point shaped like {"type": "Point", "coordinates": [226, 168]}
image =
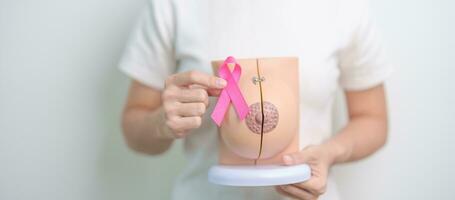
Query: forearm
{"type": "Point", "coordinates": [361, 137]}
{"type": "Point", "coordinates": [145, 130]}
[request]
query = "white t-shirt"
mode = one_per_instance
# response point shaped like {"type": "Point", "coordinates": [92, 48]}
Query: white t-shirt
{"type": "Point", "coordinates": [334, 40]}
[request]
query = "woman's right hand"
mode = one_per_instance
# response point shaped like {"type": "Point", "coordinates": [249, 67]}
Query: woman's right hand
{"type": "Point", "coordinates": [185, 99]}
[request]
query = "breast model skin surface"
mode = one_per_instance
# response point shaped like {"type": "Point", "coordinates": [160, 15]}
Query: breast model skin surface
{"type": "Point", "coordinates": [271, 129]}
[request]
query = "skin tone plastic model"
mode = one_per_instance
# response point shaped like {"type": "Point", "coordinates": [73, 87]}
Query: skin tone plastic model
{"type": "Point", "coordinates": [153, 119]}
{"type": "Point", "coordinates": [270, 86]}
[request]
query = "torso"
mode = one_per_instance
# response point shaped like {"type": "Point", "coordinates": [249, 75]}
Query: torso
{"type": "Point", "coordinates": [303, 29]}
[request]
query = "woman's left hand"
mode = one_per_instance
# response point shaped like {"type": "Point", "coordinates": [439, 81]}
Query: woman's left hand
{"type": "Point", "coordinates": [319, 159]}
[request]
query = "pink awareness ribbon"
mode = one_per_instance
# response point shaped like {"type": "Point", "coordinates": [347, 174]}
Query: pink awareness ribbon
{"type": "Point", "coordinates": [230, 93]}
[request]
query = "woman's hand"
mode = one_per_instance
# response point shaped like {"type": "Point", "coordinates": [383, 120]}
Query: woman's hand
{"type": "Point", "coordinates": [185, 99]}
{"type": "Point", "coordinates": [319, 159]}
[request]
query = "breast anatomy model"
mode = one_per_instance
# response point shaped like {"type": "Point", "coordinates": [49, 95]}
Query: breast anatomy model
{"type": "Point", "coordinates": [258, 118]}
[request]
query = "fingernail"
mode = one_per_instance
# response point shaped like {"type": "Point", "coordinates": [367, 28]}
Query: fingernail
{"type": "Point", "coordinates": [287, 160]}
{"type": "Point", "coordinates": [221, 83]}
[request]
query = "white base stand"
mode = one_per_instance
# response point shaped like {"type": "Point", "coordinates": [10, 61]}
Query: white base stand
{"type": "Point", "coordinates": [264, 175]}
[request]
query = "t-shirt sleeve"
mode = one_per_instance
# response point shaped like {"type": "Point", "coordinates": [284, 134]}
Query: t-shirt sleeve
{"type": "Point", "coordinates": [362, 60]}
{"type": "Point", "coordinates": [148, 56]}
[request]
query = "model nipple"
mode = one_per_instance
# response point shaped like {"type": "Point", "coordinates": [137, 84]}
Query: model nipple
{"type": "Point", "coordinates": [254, 117]}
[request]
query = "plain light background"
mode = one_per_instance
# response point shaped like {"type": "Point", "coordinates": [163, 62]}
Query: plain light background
{"type": "Point", "coordinates": [61, 96]}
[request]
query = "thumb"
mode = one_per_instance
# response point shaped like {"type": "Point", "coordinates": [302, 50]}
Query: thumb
{"type": "Point", "coordinates": [296, 158]}
{"type": "Point", "coordinates": [210, 91]}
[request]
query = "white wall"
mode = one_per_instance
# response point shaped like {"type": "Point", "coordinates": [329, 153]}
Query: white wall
{"type": "Point", "coordinates": [60, 99]}
{"type": "Point", "coordinates": [417, 162]}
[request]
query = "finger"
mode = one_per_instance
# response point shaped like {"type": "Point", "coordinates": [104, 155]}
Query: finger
{"type": "Point", "coordinates": [297, 192]}
{"type": "Point", "coordinates": [182, 124]}
{"type": "Point", "coordinates": [195, 77]}
{"type": "Point", "coordinates": [191, 109]}
{"type": "Point", "coordinates": [298, 157]}
{"type": "Point", "coordinates": [211, 91]}
{"type": "Point", "coordinates": [193, 95]}
{"type": "Point", "coordinates": [196, 86]}
{"type": "Point", "coordinates": [280, 190]}
{"type": "Point", "coordinates": [314, 186]}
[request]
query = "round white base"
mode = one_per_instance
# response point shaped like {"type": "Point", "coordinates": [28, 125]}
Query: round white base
{"type": "Point", "coordinates": [263, 175]}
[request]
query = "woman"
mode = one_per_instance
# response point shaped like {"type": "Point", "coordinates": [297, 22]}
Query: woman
{"type": "Point", "coordinates": [171, 50]}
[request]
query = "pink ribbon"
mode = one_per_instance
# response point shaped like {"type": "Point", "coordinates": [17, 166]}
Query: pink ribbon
{"type": "Point", "coordinates": [230, 93]}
